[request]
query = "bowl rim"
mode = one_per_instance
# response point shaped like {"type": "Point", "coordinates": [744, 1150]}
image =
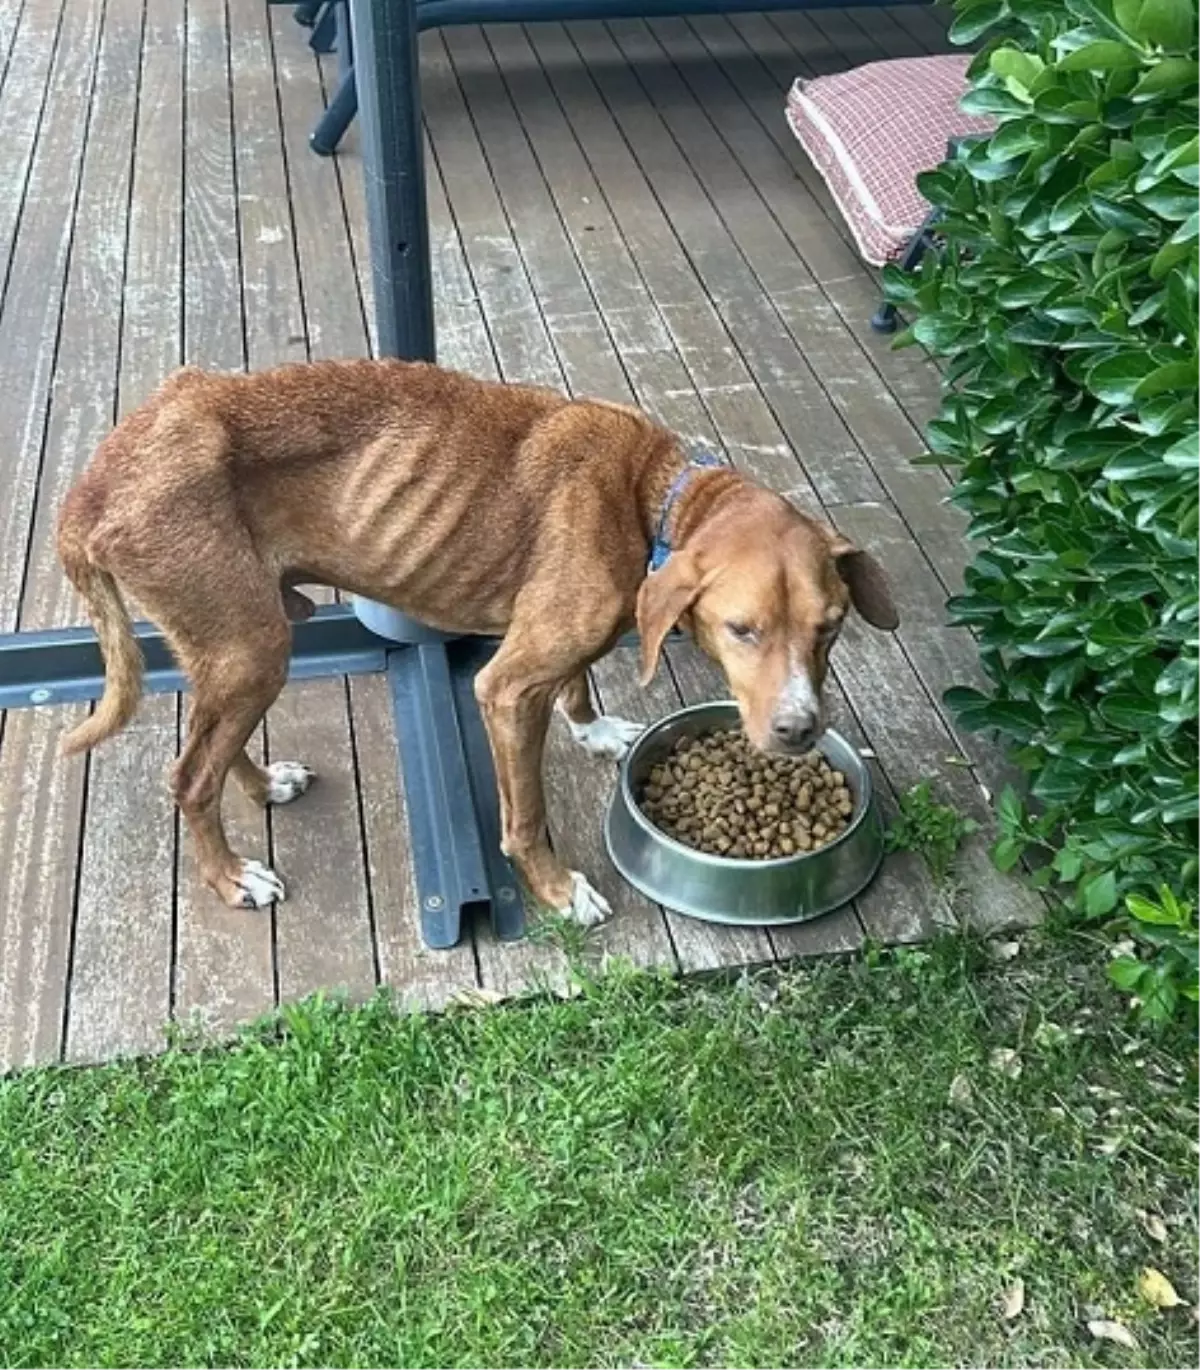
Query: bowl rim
{"type": "Point", "coordinates": [864, 799]}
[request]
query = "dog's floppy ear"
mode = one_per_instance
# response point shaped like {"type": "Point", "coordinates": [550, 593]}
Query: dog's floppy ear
{"type": "Point", "coordinates": [869, 592]}
{"type": "Point", "coordinates": [664, 596]}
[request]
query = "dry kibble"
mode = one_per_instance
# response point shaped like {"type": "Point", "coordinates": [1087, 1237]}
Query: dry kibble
{"type": "Point", "coordinates": [719, 795]}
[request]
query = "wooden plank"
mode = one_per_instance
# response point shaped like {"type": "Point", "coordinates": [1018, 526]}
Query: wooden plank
{"type": "Point", "coordinates": [10, 18]}
{"type": "Point", "coordinates": [514, 326]}
{"type": "Point", "coordinates": [326, 940]}
{"type": "Point", "coordinates": [326, 934]}
{"type": "Point", "coordinates": [120, 995]}
{"type": "Point", "coordinates": [40, 814]}
{"type": "Point", "coordinates": [271, 303]}
{"type": "Point", "coordinates": [892, 39]}
{"type": "Point", "coordinates": [33, 44]}
{"type": "Point", "coordinates": [212, 296]}
{"type": "Point", "coordinates": [928, 24]}
{"type": "Point", "coordinates": [419, 977]}
{"type": "Point", "coordinates": [762, 66]}
{"type": "Point", "coordinates": [33, 299]}
{"type": "Point", "coordinates": [333, 309]}
{"type": "Point", "coordinates": [83, 390]}
{"type": "Point", "coordinates": [41, 796]}
{"type": "Point", "coordinates": [224, 970]}
{"type": "Point", "coordinates": [121, 969]}
{"type": "Point", "coordinates": [818, 228]}
{"type": "Point", "coordinates": [849, 291]}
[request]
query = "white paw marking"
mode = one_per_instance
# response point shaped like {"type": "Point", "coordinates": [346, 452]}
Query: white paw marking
{"type": "Point", "coordinates": [259, 886]}
{"type": "Point", "coordinates": [287, 780]}
{"type": "Point", "coordinates": [607, 735]}
{"type": "Point", "coordinates": [588, 906]}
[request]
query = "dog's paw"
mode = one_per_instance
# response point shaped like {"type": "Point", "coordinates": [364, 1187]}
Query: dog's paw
{"type": "Point", "coordinates": [588, 906]}
{"type": "Point", "coordinates": [287, 780]}
{"type": "Point", "coordinates": [607, 736]}
{"type": "Point", "coordinates": [255, 886]}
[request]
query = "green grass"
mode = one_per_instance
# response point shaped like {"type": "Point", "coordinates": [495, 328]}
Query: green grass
{"type": "Point", "coordinates": [771, 1173]}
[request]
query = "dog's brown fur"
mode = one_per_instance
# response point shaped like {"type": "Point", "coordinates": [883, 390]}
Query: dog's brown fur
{"type": "Point", "coordinates": [472, 506]}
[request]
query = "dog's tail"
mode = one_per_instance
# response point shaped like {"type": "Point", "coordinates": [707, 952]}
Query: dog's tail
{"type": "Point", "coordinates": [119, 647]}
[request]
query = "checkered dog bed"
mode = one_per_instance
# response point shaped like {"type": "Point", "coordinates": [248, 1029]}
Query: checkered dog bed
{"type": "Point", "coordinates": [871, 130]}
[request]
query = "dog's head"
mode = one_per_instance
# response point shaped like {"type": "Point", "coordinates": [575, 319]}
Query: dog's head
{"type": "Point", "coordinates": [764, 590]}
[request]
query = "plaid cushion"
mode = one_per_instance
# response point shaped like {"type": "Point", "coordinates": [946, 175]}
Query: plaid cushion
{"type": "Point", "coordinates": [871, 130]}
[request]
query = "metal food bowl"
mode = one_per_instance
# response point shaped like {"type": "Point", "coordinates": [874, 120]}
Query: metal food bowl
{"type": "Point", "coordinates": [720, 889]}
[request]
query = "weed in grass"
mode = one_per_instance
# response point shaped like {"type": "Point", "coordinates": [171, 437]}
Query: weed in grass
{"type": "Point", "coordinates": [933, 830]}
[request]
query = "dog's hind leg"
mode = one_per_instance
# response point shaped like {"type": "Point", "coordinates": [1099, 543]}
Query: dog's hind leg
{"type": "Point", "coordinates": [600, 734]}
{"type": "Point", "coordinates": [234, 681]}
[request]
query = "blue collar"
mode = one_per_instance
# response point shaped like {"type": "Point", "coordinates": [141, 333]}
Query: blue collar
{"type": "Point", "coordinates": [660, 548]}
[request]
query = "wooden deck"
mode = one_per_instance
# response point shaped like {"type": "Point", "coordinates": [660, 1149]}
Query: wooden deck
{"type": "Point", "coordinates": [619, 209]}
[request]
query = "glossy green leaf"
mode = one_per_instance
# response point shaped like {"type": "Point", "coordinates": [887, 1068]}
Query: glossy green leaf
{"type": "Point", "coordinates": [977, 20]}
{"type": "Point", "coordinates": [1171, 74]}
{"type": "Point", "coordinates": [1182, 810]}
{"type": "Point", "coordinates": [1105, 54]}
{"type": "Point", "coordinates": [1115, 379]}
{"type": "Point", "coordinates": [1185, 453]}
{"type": "Point", "coordinates": [1099, 894]}
{"type": "Point", "coordinates": [1169, 24]}
{"type": "Point", "coordinates": [1012, 64]}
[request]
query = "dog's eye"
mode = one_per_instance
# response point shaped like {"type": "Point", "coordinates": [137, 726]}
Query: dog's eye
{"type": "Point", "coordinates": [742, 632]}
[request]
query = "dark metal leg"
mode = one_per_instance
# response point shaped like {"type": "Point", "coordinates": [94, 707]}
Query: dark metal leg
{"type": "Point", "coordinates": [306, 12]}
{"type": "Point", "coordinates": [324, 30]}
{"type": "Point", "coordinates": [447, 849]}
{"type": "Point", "coordinates": [339, 115]}
{"type": "Point", "coordinates": [467, 659]}
{"type": "Point", "coordinates": [389, 97]}
{"type": "Point", "coordinates": [885, 317]}
{"type": "Point", "coordinates": [345, 38]}
{"type": "Point", "coordinates": [458, 864]}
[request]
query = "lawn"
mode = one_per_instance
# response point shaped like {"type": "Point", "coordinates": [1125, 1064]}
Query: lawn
{"type": "Point", "coordinates": [851, 1164]}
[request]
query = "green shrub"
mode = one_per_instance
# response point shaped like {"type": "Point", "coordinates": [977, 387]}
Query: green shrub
{"type": "Point", "coordinates": [1065, 304]}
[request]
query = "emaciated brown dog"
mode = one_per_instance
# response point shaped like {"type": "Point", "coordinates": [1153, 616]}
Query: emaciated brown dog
{"type": "Point", "coordinates": [471, 506]}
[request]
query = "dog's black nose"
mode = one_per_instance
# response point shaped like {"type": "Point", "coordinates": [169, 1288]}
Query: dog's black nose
{"type": "Point", "coordinates": [795, 732]}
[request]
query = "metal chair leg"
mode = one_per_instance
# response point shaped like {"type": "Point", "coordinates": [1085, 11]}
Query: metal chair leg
{"type": "Point", "coordinates": [885, 317]}
{"type": "Point", "coordinates": [338, 116]}
{"type": "Point", "coordinates": [324, 30]}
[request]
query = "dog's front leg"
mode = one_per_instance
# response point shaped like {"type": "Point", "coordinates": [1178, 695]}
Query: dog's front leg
{"type": "Point", "coordinates": [516, 707]}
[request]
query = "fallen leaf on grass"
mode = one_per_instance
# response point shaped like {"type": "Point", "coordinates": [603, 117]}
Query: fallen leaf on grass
{"type": "Point", "coordinates": [960, 1091]}
{"type": "Point", "coordinates": [1156, 1289]}
{"type": "Point", "coordinates": [1012, 1302]}
{"type": "Point", "coordinates": [1050, 1034]}
{"type": "Point", "coordinates": [1006, 1061]}
{"type": "Point", "coordinates": [475, 998]}
{"type": "Point", "coordinates": [1156, 1229]}
{"type": "Point", "coordinates": [1003, 951]}
{"type": "Point", "coordinates": [1105, 1330]}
